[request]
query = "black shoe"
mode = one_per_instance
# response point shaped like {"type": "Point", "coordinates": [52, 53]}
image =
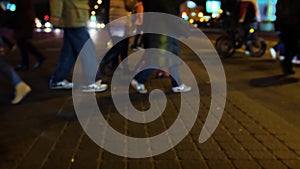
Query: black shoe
{"type": "Point", "coordinates": [39, 63]}
{"type": "Point", "coordinates": [289, 72]}
{"type": "Point", "coordinates": [22, 68]}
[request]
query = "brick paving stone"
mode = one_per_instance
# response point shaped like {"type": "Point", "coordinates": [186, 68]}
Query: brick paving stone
{"type": "Point", "coordinates": [274, 164]}
{"type": "Point", "coordinates": [120, 125]}
{"type": "Point", "coordinates": [293, 164]}
{"type": "Point", "coordinates": [62, 154]}
{"type": "Point", "coordinates": [294, 145]}
{"type": "Point", "coordinates": [106, 156]}
{"type": "Point", "coordinates": [287, 137]}
{"type": "Point", "coordinates": [261, 155]}
{"type": "Point", "coordinates": [258, 130]}
{"type": "Point", "coordinates": [213, 154]}
{"type": "Point", "coordinates": [222, 135]}
{"type": "Point", "coordinates": [185, 144]}
{"type": "Point", "coordinates": [40, 149]}
{"type": "Point", "coordinates": [246, 164]}
{"type": "Point", "coordinates": [169, 155]}
{"type": "Point", "coordinates": [235, 154]}
{"type": "Point", "coordinates": [193, 164]}
{"type": "Point", "coordinates": [110, 164]}
{"type": "Point", "coordinates": [87, 155]}
{"type": "Point", "coordinates": [209, 145]}
{"type": "Point", "coordinates": [140, 163]}
{"type": "Point", "coordinates": [253, 145]}
{"type": "Point", "coordinates": [271, 142]}
{"type": "Point", "coordinates": [167, 164]}
{"type": "Point", "coordinates": [244, 137]}
{"type": "Point", "coordinates": [285, 155]}
{"type": "Point", "coordinates": [188, 155]}
{"type": "Point", "coordinates": [216, 164]}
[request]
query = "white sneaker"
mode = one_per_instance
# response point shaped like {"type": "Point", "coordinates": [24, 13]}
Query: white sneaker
{"type": "Point", "coordinates": [62, 85]}
{"type": "Point", "coordinates": [139, 87]}
{"type": "Point", "coordinates": [295, 60]}
{"type": "Point", "coordinates": [21, 90]}
{"type": "Point", "coordinates": [281, 57]}
{"type": "Point", "coordinates": [95, 87]}
{"type": "Point", "coordinates": [273, 53]}
{"type": "Point", "coordinates": [247, 53]}
{"type": "Point", "coordinates": [181, 88]}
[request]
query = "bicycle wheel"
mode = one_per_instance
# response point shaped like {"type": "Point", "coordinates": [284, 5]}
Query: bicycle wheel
{"type": "Point", "coordinates": [225, 46]}
{"type": "Point", "coordinates": [257, 47]}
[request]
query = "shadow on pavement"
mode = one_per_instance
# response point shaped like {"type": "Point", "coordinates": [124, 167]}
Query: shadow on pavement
{"type": "Point", "coordinates": [277, 80]}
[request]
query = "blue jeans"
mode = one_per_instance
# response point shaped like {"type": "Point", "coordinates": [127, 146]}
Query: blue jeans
{"type": "Point", "coordinates": [8, 72]}
{"type": "Point", "coordinates": [73, 41]}
{"type": "Point", "coordinates": [166, 43]}
{"type": "Point", "coordinates": [279, 47]}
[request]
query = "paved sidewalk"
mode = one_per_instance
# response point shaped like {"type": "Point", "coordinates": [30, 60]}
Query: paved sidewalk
{"type": "Point", "coordinates": [43, 133]}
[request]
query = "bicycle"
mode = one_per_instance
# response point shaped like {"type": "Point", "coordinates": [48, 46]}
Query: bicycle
{"type": "Point", "coordinates": [235, 37]}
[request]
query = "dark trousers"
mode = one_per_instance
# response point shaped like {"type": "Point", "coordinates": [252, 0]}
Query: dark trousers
{"type": "Point", "coordinates": [118, 49]}
{"type": "Point", "coordinates": [136, 41]}
{"type": "Point", "coordinates": [290, 39]}
{"type": "Point", "coordinates": [26, 47]}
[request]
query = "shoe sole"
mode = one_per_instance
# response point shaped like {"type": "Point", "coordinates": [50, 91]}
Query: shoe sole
{"type": "Point", "coordinates": [182, 91]}
{"type": "Point", "coordinates": [60, 88]}
{"type": "Point", "coordinates": [93, 90]}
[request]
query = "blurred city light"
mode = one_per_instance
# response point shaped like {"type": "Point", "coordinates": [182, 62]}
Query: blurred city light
{"type": "Point", "coordinates": [184, 15]}
{"type": "Point", "coordinates": [11, 7]}
{"type": "Point", "coordinates": [191, 4]}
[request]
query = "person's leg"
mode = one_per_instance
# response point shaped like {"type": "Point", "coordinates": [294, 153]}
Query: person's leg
{"type": "Point", "coordinates": [137, 37]}
{"type": "Point", "coordinates": [21, 88]}
{"type": "Point", "coordinates": [83, 46]}
{"type": "Point", "coordinates": [24, 54]}
{"type": "Point", "coordinates": [175, 79]}
{"type": "Point", "coordinates": [143, 76]}
{"type": "Point", "coordinates": [2, 51]}
{"type": "Point", "coordinates": [7, 42]}
{"type": "Point", "coordinates": [1, 43]}
{"type": "Point", "coordinates": [36, 53]}
{"type": "Point", "coordinates": [290, 42]}
{"type": "Point", "coordinates": [66, 59]}
{"type": "Point", "coordinates": [114, 53]}
{"type": "Point", "coordinates": [7, 71]}
{"type": "Point", "coordinates": [124, 53]}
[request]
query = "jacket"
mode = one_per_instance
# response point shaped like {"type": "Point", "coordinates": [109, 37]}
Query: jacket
{"type": "Point", "coordinates": [117, 10]}
{"type": "Point", "coordinates": [24, 19]}
{"type": "Point", "coordinates": [139, 10]}
{"type": "Point", "coordinates": [287, 14]}
{"type": "Point", "coordinates": [72, 13]}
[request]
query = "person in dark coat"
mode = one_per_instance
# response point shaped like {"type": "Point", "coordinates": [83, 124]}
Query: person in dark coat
{"type": "Point", "coordinates": [23, 32]}
{"type": "Point", "coordinates": [288, 23]}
